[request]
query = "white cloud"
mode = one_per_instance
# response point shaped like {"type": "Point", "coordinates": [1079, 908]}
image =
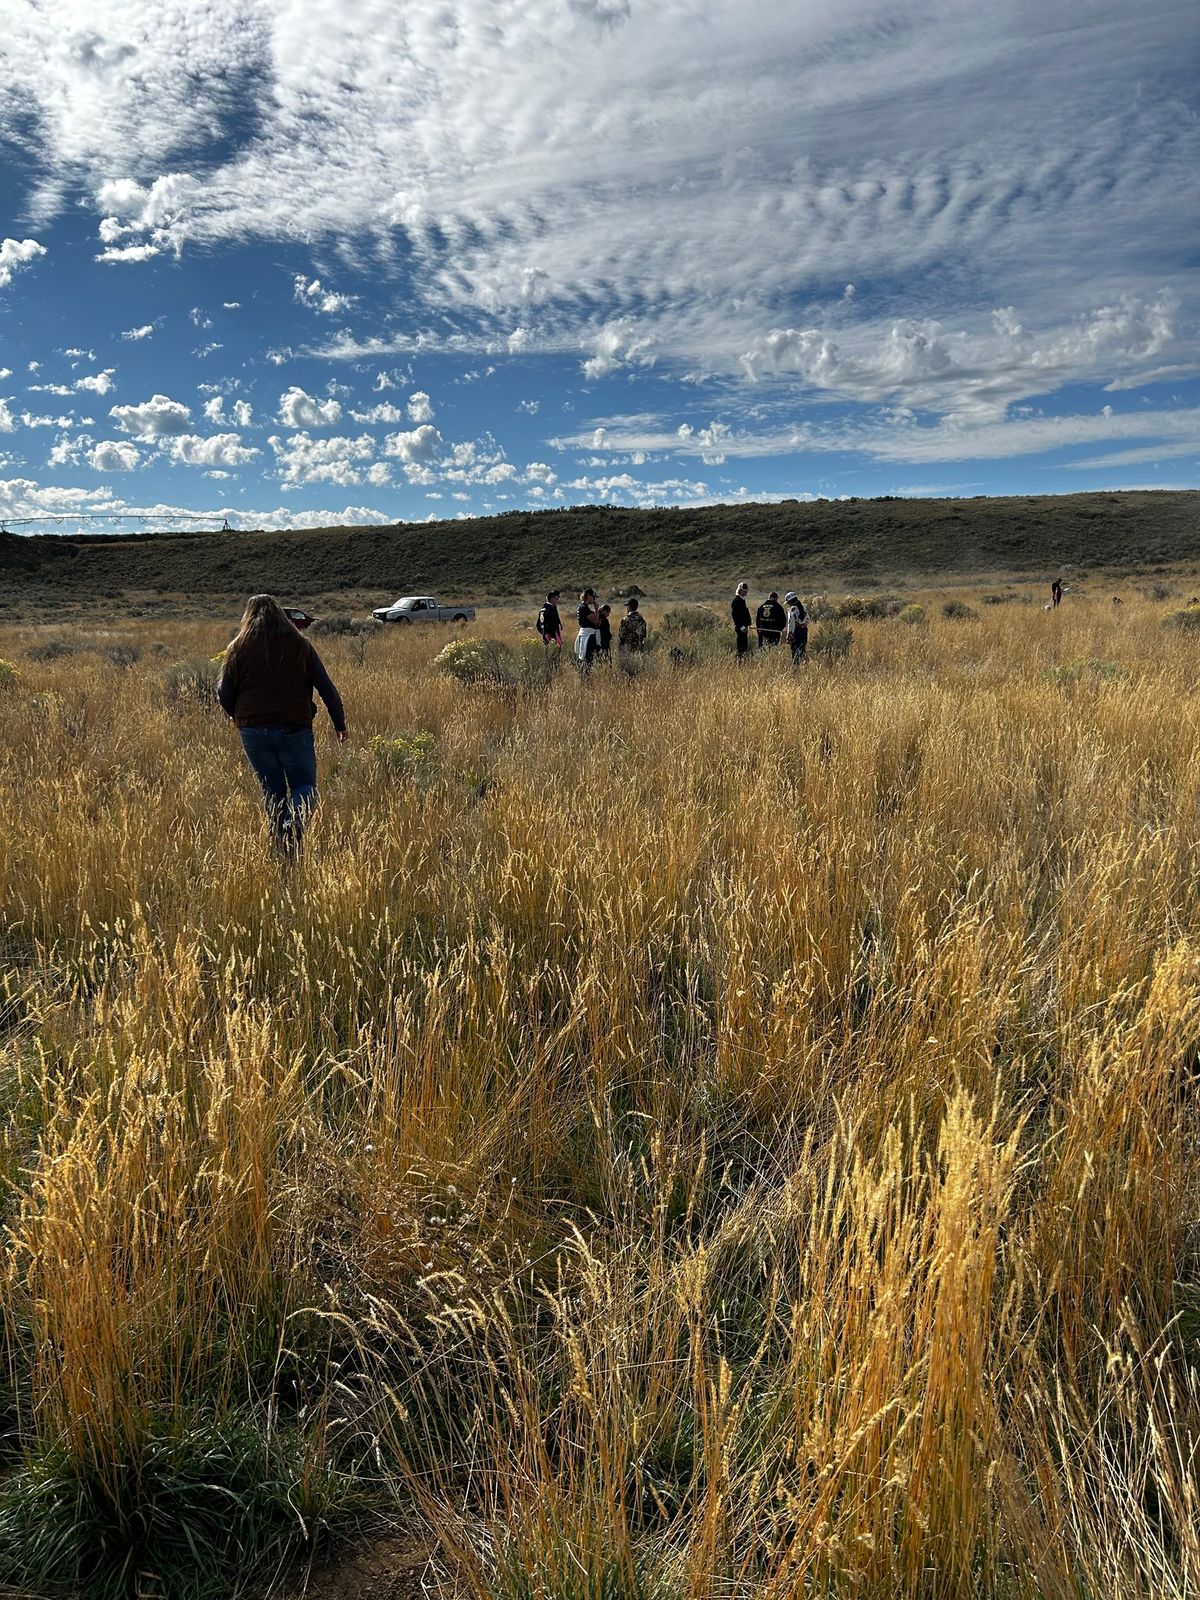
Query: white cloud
{"type": "Point", "coordinates": [113, 456]}
{"type": "Point", "coordinates": [158, 417]}
{"type": "Point", "coordinates": [7, 421]}
{"type": "Point", "coordinates": [300, 410]}
{"type": "Point", "coordinates": [420, 408]}
{"type": "Point", "coordinates": [97, 382]}
{"type": "Point", "coordinates": [24, 497]}
{"type": "Point", "coordinates": [302, 459]}
{"type": "Point", "coordinates": [615, 345]}
{"type": "Point", "coordinates": [143, 332]}
{"type": "Point", "coordinates": [616, 198]}
{"type": "Point", "coordinates": [383, 412]}
{"type": "Point", "coordinates": [1141, 455]}
{"type": "Point", "coordinates": [218, 450]}
{"type": "Point", "coordinates": [28, 420]}
{"type": "Point", "coordinates": [241, 414]}
{"type": "Point", "coordinates": [310, 292]}
{"type": "Point", "coordinates": [141, 221]}
{"type": "Point", "coordinates": [421, 444]}
{"type": "Point", "coordinates": [896, 436]}
{"type": "Point", "coordinates": [15, 254]}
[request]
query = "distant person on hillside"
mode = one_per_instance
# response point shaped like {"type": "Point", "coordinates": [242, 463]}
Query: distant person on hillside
{"type": "Point", "coordinates": [631, 635]}
{"type": "Point", "coordinates": [587, 640]}
{"type": "Point", "coordinates": [1056, 592]}
{"type": "Point", "coordinates": [796, 627]}
{"type": "Point", "coordinates": [605, 649]}
{"type": "Point", "coordinates": [549, 623]}
{"type": "Point", "coordinates": [266, 686]}
{"type": "Point", "coordinates": [769, 621]}
{"type": "Point", "coordinates": [739, 613]}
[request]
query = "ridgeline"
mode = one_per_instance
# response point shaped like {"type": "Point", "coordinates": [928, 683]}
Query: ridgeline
{"type": "Point", "coordinates": [826, 544]}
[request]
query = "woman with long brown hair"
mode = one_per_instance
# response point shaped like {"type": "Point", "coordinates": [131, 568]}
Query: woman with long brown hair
{"type": "Point", "coordinates": [266, 686]}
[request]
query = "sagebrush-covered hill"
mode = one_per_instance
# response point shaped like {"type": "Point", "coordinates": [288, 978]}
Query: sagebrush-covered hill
{"type": "Point", "coordinates": [834, 541]}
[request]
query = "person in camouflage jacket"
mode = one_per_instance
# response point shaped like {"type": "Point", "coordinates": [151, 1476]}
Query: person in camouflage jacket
{"type": "Point", "coordinates": [631, 635]}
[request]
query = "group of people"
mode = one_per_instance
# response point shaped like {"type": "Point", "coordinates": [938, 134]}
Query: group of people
{"type": "Point", "coordinates": [775, 623]}
{"type": "Point", "coordinates": [594, 640]}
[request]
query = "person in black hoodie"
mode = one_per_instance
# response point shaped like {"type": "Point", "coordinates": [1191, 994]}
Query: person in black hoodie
{"type": "Point", "coordinates": [739, 612]}
{"type": "Point", "coordinates": [605, 650]}
{"type": "Point", "coordinates": [769, 621]}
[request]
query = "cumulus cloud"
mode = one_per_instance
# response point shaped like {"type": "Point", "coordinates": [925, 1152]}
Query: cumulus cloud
{"type": "Point", "coordinates": [144, 332]}
{"type": "Point", "coordinates": [302, 459]}
{"type": "Point", "coordinates": [240, 415]}
{"type": "Point", "coordinates": [156, 418]}
{"type": "Point", "coordinates": [142, 220]}
{"type": "Point", "coordinates": [97, 382]}
{"type": "Point", "coordinates": [615, 345]}
{"type": "Point", "coordinates": [15, 254]}
{"type": "Point", "coordinates": [385, 411]}
{"type": "Point", "coordinates": [113, 456]}
{"type": "Point", "coordinates": [421, 444]}
{"type": "Point", "coordinates": [312, 293]}
{"type": "Point", "coordinates": [300, 410]}
{"type": "Point", "coordinates": [420, 407]}
{"type": "Point", "coordinates": [217, 450]}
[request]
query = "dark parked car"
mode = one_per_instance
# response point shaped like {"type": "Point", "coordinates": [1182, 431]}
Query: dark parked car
{"type": "Point", "coordinates": [298, 619]}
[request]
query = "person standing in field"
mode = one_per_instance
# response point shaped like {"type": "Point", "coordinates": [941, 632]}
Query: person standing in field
{"type": "Point", "coordinates": [587, 640]}
{"type": "Point", "coordinates": [631, 635]}
{"type": "Point", "coordinates": [739, 613]}
{"type": "Point", "coordinates": [796, 627]}
{"type": "Point", "coordinates": [549, 623]}
{"type": "Point", "coordinates": [769, 621]}
{"type": "Point", "coordinates": [605, 649]}
{"type": "Point", "coordinates": [1056, 593]}
{"type": "Point", "coordinates": [266, 686]}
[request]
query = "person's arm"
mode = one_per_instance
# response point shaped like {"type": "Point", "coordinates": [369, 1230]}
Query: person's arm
{"type": "Point", "coordinates": [323, 684]}
{"type": "Point", "coordinates": [227, 689]}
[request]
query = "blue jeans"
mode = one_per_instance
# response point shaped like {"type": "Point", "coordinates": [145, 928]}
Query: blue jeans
{"type": "Point", "coordinates": [285, 764]}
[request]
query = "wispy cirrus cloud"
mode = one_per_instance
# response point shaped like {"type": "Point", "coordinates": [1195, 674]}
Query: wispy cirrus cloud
{"type": "Point", "coordinates": [795, 228]}
{"type": "Point", "coordinates": [616, 194]}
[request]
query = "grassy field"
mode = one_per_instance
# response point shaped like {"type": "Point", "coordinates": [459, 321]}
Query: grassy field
{"type": "Point", "coordinates": [709, 1133]}
{"type": "Point", "coordinates": [827, 544]}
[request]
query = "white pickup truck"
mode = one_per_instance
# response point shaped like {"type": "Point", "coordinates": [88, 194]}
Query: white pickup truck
{"type": "Point", "coordinates": [422, 608]}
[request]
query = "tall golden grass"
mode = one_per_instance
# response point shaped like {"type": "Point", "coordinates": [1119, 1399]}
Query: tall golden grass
{"type": "Point", "coordinates": [720, 1133]}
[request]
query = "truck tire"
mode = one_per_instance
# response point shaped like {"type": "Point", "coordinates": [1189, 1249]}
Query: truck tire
{"type": "Point", "coordinates": [458, 617]}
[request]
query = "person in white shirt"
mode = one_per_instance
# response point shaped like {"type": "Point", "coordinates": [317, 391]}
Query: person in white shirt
{"type": "Point", "coordinates": [796, 628]}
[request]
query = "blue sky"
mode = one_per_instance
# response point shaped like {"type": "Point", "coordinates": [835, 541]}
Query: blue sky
{"type": "Point", "coordinates": [301, 261]}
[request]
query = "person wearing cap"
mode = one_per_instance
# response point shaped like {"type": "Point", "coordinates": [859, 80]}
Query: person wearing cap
{"type": "Point", "coordinates": [631, 635]}
{"type": "Point", "coordinates": [769, 621]}
{"type": "Point", "coordinates": [739, 611]}
{"type": "Point", "coordinates": [796, 627]}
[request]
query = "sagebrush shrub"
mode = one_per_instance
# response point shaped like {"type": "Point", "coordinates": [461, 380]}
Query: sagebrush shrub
{"type": "Point", "coordinates": [831, 641]}
{"type": "Point", "coordinates": [477, 661]}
